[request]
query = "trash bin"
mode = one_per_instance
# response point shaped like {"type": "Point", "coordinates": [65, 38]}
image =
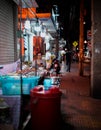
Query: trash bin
{"type": "Point", "coordinates": [45, 108]}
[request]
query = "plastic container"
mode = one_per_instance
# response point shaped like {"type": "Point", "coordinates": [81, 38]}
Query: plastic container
{"type": "Point", "coordinates": [45, 108]}
{"type": "Point", "coordinates": [47, 83]}
{"type": "Point", "coordinates": [12, 85]}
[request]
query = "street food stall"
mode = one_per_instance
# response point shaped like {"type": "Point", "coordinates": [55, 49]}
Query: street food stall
{"type": "Point", "coordinates": [10, 88]}
{"type": "Point", "coordinates": [17, 79]}
{"type": "Point", "coordinates": [11, 81]}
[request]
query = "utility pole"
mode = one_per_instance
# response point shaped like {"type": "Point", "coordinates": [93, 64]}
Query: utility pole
{"type": "Point", "coordinates": [81, 38]}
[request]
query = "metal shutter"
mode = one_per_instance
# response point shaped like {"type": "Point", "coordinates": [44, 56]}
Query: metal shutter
{"type": "Point", "coordinates": [7, 29]}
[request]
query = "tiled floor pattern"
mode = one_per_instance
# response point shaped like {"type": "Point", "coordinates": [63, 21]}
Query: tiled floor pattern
{"type": "Point", "coordinates": [79, 109]}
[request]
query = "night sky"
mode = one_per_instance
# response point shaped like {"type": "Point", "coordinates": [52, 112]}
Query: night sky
{"type": "Point", "coordinates": [69, 11]}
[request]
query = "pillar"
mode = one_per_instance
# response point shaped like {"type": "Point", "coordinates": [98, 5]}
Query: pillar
{"type": "Point", "coordinates": [96, 49]}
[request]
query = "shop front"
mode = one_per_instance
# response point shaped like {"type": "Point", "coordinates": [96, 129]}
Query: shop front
{"type": "Point", "coordinates": [19, 46]}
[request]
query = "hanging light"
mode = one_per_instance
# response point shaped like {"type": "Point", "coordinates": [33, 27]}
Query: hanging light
{"type": "Point", "coordinates": [43, 31]}
{"type": "Point", "coordinates": [27, 22]}
{"type": "Point", "coordinates": [37, 25]}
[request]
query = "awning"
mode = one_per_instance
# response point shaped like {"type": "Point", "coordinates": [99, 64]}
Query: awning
{"type": "Point", "coordinates": [27, 3]}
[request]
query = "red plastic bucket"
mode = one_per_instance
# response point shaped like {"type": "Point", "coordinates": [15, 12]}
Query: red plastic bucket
{"type": "Point", "coordinates": [45, 108]}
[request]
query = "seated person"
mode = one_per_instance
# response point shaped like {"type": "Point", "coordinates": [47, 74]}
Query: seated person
{"type": "Point", "coordinates": [38, 62]}
{"type": "Point", "coordinates": [55, 67]}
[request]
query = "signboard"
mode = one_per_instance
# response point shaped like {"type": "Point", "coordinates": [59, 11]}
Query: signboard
{"type": "Point", "coordinates": [75, 43]}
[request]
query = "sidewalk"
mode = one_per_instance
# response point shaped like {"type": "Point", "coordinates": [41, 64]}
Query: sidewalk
{"type": "Point", "coordinates": [79, 110]}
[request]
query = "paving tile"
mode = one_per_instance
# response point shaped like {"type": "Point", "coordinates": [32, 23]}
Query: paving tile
{"type": "Point", "coordinates": [79, 109]}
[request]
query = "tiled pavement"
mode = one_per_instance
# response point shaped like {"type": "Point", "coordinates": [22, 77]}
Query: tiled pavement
{"type": "Point", "coordinates": [79, 110]}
